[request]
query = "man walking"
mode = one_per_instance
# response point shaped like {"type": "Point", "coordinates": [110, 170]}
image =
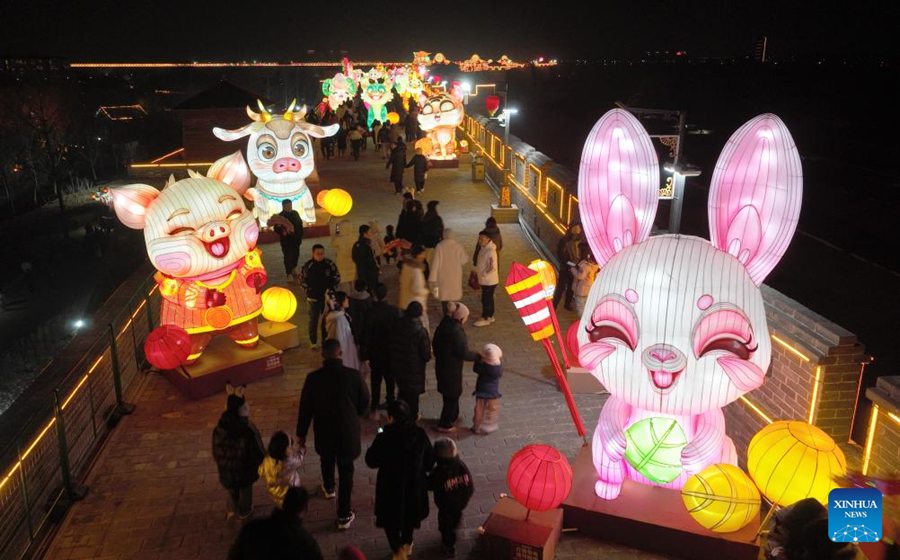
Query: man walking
{"type": "Point", "coordinates": [333, 398]}
{"type": "Point", "coordinates": [364, 257]}
{"type": "Point", "coordinates": [381, 320]}
{"type": "Point", "coordinates": [317, 276]}
{"type": "Point", "coordinates": [290, 233]}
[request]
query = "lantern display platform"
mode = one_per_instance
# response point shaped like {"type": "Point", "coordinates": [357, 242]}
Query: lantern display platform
{"type": "Point", "coordinates": [222, 362]}
{"type": "Point", "coordinates": [505, 215]}
{"type": "Point", "coordinates": [282, 336]}
{"type": "Point", "coordinates": [513, 532]}
{"type": "Point", "coordinates": [650, 518]}
{"type": "Point", "coordinates": [583, 382]}
{"type": "Point", "coordinates": [444, 163]}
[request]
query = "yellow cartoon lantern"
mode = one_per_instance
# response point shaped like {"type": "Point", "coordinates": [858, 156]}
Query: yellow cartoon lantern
{"type": "Point", "coordinates": [337, 202]}
{"type": "Point", "coordinates": [791, 461]}
{"type": "Point", "coordinates": [721, 498]}
{"type": "Point", "coordinates": [278, 304]}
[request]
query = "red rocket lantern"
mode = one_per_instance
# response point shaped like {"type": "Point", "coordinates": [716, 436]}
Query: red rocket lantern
{"type": "Point", "coordinates": [492, 103]}
{"type": "Point", "coordinates": [167, 347]}
{"type": "Point", "coordinates": [572, 341]}
{"type": "Point", "coordinates": [539, 477]}
{"type": "Point", "coordinates": [527, 293]}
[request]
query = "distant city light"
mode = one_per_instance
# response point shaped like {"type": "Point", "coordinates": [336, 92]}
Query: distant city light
{"type": "Point", "coordinates": [79, 323]}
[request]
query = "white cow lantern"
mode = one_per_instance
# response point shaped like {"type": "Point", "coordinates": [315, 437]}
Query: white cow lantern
{"type": "Point", "coordinates": [675, 326]}
{"type": "Point", "coordinates": [280, 155]}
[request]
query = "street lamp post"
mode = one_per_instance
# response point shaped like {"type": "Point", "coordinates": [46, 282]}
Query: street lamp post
{"type": "Point", "coordinates": [679, 173]}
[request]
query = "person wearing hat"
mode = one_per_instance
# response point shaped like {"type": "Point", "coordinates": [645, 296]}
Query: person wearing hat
{"type": "Point", "coordinates": [451, 350]}
{"type": "Point", "coordinates": [238, 451]}
{"type": "Point", "coordinates": [487, 390]}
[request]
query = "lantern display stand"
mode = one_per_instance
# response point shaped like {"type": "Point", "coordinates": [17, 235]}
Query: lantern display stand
{"type": "Point", "coordinates": [280, 335]}
{"type": "Point", "coordinates": [649, 518]}
{"type": "Point", "coordinates": [450, 163]}
{"type": "Point", "coordinates": [505, 214]}
{"type": "Point", "coordinates": [222, 362]}
{"type": "Point", "coordinates": [513, 531]}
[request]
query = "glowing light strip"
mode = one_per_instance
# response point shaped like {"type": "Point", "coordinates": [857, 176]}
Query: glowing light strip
{"type": "Point", "coordinates": [540, 182]}
{"type": "Point", "coordinates": [28, 451]}
{"type": "Point", "coordinates": [813, 401]}
{"type": "Point", "coordinates": [894, 417]}
{"type": "Point", "coordinates": [225, 64]}
{"type": "Point", "coordinates": [569, 209]}
{"type": "Point", "coordinates": [159, 165]}
{"type": "Point", "coordinates": [562, 198]}
{"type": "Point", "coordinates": [170, 154]}
{"type": "Point", "coordinates": [757, 410]}
{"type": "Point", "coordinates": [790, 348]}
{"type": "Point", "coordinates": [477, 86]}
{"type": "Point", "coordinates": [870, 439]}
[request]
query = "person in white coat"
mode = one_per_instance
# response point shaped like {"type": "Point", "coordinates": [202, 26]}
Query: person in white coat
{"type": "Point", "coordinates": [412, 282]}
{"type": "Point", "coordinates": [337, 326]}
{"type": "Point", "coordinates": [446, 276]}
{"type": "Point", "coordinates": [342, 240]}
{"type": "Point", "coordinates": [488, 271]}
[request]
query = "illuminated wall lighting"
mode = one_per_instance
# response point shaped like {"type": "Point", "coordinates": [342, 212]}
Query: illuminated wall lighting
{"type": "Point", "coordinates": [870, 440]}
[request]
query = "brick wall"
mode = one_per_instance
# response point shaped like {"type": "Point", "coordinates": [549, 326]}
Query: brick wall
{"type": "Point", "coordinates": [884, 460]}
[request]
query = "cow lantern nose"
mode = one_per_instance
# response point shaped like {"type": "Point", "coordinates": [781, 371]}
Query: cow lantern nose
{"type": "Point", "coordinates": [286, 164]}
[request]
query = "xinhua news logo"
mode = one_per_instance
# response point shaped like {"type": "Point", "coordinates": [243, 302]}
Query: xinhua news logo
{"type": "Point", "coordinates": [854, 515]}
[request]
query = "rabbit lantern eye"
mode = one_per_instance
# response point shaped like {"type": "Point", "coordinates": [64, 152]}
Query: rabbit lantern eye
{"type": "Point", "coordinates": [599, 332]}
{"type": "Point", "coordinates": [731, 345]}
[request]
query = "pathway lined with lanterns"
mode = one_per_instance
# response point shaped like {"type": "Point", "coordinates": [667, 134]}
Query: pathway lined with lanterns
{"type": "Point", "coordinates": [154, 491]}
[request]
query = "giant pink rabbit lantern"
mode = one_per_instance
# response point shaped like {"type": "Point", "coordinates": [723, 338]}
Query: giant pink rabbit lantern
{"type": "Point", "coordinates": [675, 326]}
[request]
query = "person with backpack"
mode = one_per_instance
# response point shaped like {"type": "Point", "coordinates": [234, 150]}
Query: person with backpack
{"type": "Point", "coordinates": [238, 451]}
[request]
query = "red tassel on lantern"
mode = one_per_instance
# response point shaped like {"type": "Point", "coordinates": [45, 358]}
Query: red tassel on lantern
{"type": "Point", "coordinates": [167, 347]}
{"type": "Point", "coordinates": [539, 477]}
{"type": "Point", "coordinates": [492, 103]}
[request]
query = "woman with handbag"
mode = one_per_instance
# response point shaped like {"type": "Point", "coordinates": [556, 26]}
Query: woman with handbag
{"type": "Point", "coordinates": [488, 275]}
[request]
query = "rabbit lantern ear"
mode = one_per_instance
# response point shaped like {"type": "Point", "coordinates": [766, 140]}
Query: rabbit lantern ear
{"type": "Point", "coordinates": [618, 184]}
{"type": "Point", "coordinates": [755, 195]}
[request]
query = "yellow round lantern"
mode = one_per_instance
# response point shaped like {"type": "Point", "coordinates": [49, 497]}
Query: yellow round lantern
{"type": "Point", "coordinates": [278, 304]}
{"type": "Point", "coordinates": [548, 276]}
{"type": "Point", "coordinates": [721, 498]}
{"type": "Point", "coordinates": [393, 117]}
{"type": "Point", "coordinates": [337, 202]}
{"type": "Point", "coordinates": [791, 461]}
{"type": "Point", "coordinates": [321, 197]}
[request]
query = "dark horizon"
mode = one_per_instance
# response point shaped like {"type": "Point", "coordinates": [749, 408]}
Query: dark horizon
{"type": "Point", "coordinates": [101, 30]}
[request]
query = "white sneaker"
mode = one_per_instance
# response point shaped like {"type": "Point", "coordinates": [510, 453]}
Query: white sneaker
{"type": "Point", "coordinates": [482, 322]}
{"type": "Point", "coordinates": [492, 319]}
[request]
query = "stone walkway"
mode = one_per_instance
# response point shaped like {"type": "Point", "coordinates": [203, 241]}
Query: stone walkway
{"type": "Point", "coordinates": [154, 491]}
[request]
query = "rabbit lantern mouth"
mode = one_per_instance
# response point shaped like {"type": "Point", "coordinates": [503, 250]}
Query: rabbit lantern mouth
{"type": "Point", "coordinates": [665, 365]}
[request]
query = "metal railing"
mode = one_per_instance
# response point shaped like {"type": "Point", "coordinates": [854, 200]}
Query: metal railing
{"type": "Point", "coordinates": [42, 464]}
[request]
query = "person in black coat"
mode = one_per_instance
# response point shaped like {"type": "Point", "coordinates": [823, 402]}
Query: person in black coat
{"type": "Point", "coordinates": [419, 163]}
{"type": "Point", "coordinates": [432, 226]}
{"type": "Point", "coordinates": [333, 399]}
{"type": "Point", "coordinates": [410, 351]}
{"type": "Point", "coordinates": [397, 163]}
{"type": "Point", "coordinates": [280, 536]}
{"type": "Point", "coordinates": [290, 237]}
{"type": "Point", "coordinates": [403, 456]}
{"type": "Point", "coordinates": [238, 451]}
{"type": "Point", "coordinates": [364, 257]}
{"type": "Point", "coordinates": [380, 322]}
{"type": "Point", "coordinates": [451, 350]}
{"type": "Point", "coordinates": [567, 251]}
{"type": "Point", "coordinates": [409, 224]}
{"type": "Point", "coordinates": [452, 484]}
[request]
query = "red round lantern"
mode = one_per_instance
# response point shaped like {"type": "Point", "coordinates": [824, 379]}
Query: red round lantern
{"type": "Point", "coordinates": [167, 347]}
{"type": "Point", "coordinates": [539, 477]}
{"type": "Point", "coordinates": [572, 341]}
{"type": "Point", "coordinates": [492, 103]}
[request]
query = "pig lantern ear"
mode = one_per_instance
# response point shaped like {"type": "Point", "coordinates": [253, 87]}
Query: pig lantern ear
{"type": "Point", "coordinates": [131, 203]}
{"type": "Point", "coordinates": [755, 195]}
{"type": "Point", "coordinates": [231, 170]}
{"type": "Point", "coordinates": [618, 184]}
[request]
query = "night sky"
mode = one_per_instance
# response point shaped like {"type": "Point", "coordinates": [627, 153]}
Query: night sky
{"type": "Point", "coordinates": [152, 30]}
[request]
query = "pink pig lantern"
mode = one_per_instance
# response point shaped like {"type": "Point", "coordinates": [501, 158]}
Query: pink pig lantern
{"type": "Point", "coordinates": [675, 328]}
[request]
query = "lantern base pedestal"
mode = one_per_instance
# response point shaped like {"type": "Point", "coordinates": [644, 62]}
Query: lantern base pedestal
{"type": "Point", "coordinates": [282, 336]}
{"type": "Point", "coordinates": [583, 382]}
{"type": "Point", "coordinates": [649, 518]}
{"type": "Point", "coordinates": [223, 362]}
{"type": "Point", "coordinates": [444, 163]}
{"type": "Point", "coordinates": [511, 531]}
{"type": "Point", "coordinates": [505, 215]}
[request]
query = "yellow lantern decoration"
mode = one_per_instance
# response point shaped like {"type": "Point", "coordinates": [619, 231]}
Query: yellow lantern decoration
{"type": "Point", "coordinates": [337, 202]}
{"type": "Point", "coordinates": [321, 197]}
{"type": "Point", "coordinates": [278, 304]}
{"type": "Point", "coordinates": [791, 461]}
{"type": "Point", "coordinates": [548, 276]}
{"type": "Point", "coordinates": [721, 498]}
{"type": "Point", "coordinates": [393, 117]}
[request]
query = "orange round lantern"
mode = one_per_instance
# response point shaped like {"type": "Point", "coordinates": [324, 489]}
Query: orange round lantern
{"type": "Point", "coordinates": [278, 304]}
{"type": "Point", "coordinates": [167, 347]}
{"type": "Point", "coordinates": [393, 117]}
{"type": "Point", "coordinates": [548, 276]}
{"type": "Point", "coordinates": [539, 477]}
{"type": "Point", "coordinates": [320, 198]}
{"type": "Point", "coordinates": [337, 202]}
